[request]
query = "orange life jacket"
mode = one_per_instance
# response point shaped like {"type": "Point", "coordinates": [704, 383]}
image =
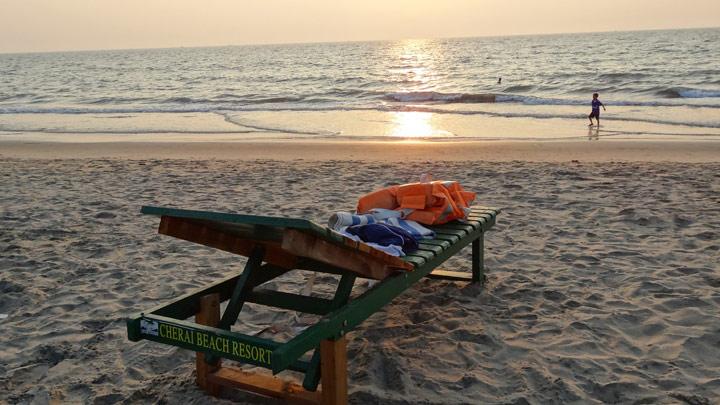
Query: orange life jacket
{"type": "Point", "coordinates": [436, 202]}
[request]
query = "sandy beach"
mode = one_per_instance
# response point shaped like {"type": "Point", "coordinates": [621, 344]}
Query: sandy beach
{"type": "Point", "coordinates": [385, 151]}
{"type": "Point", "coordinates": [603, 277]}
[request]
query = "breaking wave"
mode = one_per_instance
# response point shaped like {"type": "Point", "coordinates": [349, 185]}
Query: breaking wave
{"type": "Point", "coordinates": [430, 96]}
{"type": "Point", "coordinates": [685, 92]}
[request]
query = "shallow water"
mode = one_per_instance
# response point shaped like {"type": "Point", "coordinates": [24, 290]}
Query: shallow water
{"type": "Point", "coordinates": [655, 83]}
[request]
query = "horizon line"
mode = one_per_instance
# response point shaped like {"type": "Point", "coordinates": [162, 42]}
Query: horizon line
{"type": "Point", "coordinates": [353, 41]}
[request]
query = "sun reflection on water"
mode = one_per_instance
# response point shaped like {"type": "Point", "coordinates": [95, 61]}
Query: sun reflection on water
{"type": "Point", "coordinates": [411, 65]}
{"type": "Point", "coordinates": [414, 124]}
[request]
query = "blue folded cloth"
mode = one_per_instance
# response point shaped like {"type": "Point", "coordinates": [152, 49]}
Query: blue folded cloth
{"type": "Point", "coordinates": [385, 235]}
{"type": "Point", "coordinates": [340, 220]}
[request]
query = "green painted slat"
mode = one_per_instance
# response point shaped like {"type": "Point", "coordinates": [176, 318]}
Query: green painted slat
{"type": "Point", "coordinates": [486, 210]}
{"type": "Point", "coordinates": [483, 212]}
{"type": "Point", "coordinates": [482, 220]}
{"type": "Point", "coordinates": [454, 226]}
{"type": "Point", "coordinates": [449, 238]}
{"type": "Point", "coordinates": [278, 222]}
{"type": "Point", "coordinates": [188, 305]}
{"type": "Point", "coordinates": [422, 253]}
{"type": "Point", "coordinates": [468, 224]}
{"type": "Point", "coordinates": [480, 216]}
{"type": "Point", "coordinates": [417, 261]}
{"type": "Point", "coordinates": [455, 232]}
{"type": "Point", "coordinates": [430, 247]}
{"type": "Point", "coordinates": [342, 295]}
{"type": "Point", "coordinates": [437, 242]}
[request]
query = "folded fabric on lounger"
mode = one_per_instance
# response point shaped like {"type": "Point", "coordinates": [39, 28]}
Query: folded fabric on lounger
{"type": "Point", "coordinates": [340, 220]}
{"type": "Point", "coordinates": [385, 235]}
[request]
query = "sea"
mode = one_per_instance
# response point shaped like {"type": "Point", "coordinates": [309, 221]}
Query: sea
{"type": "Point", "coordinates": [655, 85]}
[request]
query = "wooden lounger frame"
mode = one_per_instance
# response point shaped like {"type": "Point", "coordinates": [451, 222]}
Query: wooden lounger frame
{"type": "Point", "coordinates": [275, 246]}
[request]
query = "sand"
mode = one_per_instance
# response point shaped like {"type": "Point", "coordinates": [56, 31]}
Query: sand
{"type": "Point", "coordinates": [603, 277]}
{"type": "Point", "coordinates": [493, 151]}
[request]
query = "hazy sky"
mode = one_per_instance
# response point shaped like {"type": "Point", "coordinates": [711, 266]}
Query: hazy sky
{"type": "Point", "coordinates": [45, 25]}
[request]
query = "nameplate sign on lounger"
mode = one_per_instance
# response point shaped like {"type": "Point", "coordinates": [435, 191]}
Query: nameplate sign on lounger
{"type": "Point", "coordinates": [203, 341]}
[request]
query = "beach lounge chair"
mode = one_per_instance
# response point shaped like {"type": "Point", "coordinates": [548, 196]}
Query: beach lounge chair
{"type": "Point", "coordinates": [275, 246]}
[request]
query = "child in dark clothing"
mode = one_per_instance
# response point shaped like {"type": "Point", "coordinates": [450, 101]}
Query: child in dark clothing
{"type": "Point", "coordinates": [595, 109]}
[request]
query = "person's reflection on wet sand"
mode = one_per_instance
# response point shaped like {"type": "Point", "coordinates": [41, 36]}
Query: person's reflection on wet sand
{"type": "Point", "coordinates": [593, 134]}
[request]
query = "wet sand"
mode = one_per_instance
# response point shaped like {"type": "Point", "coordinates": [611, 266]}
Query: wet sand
{"type": "Point", "coordinates": [493, 151]}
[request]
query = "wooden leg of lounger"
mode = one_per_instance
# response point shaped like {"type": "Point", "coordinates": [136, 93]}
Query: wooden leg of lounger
{"type": "Point", "coordinates": [478, 265]}
{"type": "Point", "coordinates": [333, 371]}
{"type": "Point", "coordinates": [209, 315]}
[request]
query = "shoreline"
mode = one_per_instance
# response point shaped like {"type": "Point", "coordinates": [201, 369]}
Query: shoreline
{"type": "Point", "coordinates": [286, 150]}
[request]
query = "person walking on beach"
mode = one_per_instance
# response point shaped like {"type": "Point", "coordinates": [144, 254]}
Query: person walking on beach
{"type": "Point", "coordinates": [596, 109]}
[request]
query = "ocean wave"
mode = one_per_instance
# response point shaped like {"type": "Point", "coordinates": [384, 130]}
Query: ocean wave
{"type": "Point", "coordinates": [532, 100]}
{"type": "Point", "coordinates": [470, 98]}
{"type": "Point", "coordinates": [18, 96]}
{"type": "Point", "coordinates": [552, 115]}
{"type": "Point", "coordinates": [686, 92]}
{"type": "Point", "coordinates": [114, 100]}
{"type": "Point", "coordinates": [623, 75]}
{"type": "Point", "coordinates": [248, 126]}
{"type": "Point", "coordinates": [519, 88]}
{"type": "Point", "coordinates": [429, 96]}
{"type": "Point", "coordinates": [220, 99]}
{"type": "Point", "coordinates": [328, 105]}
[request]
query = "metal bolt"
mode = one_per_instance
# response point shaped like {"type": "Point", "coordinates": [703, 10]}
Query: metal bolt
{"type": "Point", "coordinates": [345, 322]}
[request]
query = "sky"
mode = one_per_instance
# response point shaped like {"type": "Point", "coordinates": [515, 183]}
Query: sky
{"type": "Point", "coordinates": [59, 25]}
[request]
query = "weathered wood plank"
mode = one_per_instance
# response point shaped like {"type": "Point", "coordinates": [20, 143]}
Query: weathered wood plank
{"type": "Point", "coordinates": [333, 374]}
{"type": "Point", "coordinates": [266, 385]}
{"type": "Point", "coordinates": [208, 315]}
{"type": "Point", "coordinates": [450, 275]}
{"type": "Point", "coordinates": [203, 234]}
{"type": "Point", "coordinates": [363, 263]}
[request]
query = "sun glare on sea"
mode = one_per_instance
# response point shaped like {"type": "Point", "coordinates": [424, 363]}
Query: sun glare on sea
{"type": "Point", "coordinates": [412, 65]}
